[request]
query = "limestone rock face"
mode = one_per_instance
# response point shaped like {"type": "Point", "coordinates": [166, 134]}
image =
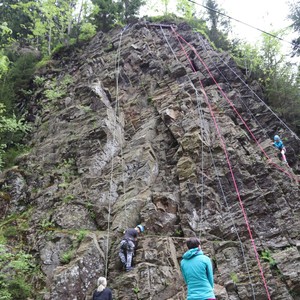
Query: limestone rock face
{"type": "Point", "coordinates": [153, 126]}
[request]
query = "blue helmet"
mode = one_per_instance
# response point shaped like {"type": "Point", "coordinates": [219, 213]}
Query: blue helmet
{"type": "Point", "coordinates": [276, 137]}
{"type": "Point", "coordinates": [141, 228]}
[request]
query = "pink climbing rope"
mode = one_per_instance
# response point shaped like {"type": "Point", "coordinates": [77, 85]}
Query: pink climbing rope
{"type": "Point", "coordinates": [228, 162]}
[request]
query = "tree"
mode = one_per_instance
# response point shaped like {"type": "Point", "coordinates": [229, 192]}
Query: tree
{"type": "Point", "coordinates": [53, 22]}
{"type": "Point", "coordinates": [165, 4]}
{"type": "Point", "coordinates": [16, 20]}
{"type": "Point", "coordinates": [294, 16]}
{"type": "Point", "coordinates": [266, 63]}
{"type": "Point", "coordinates": [131, 8]}
{"type": "Point", "coordinates": [83, 28]}
{"type": "Point", "coordinates": [186, 8]}
{"type": "Point", "coordinates": [280, 78]}
{"type": "Point", "coordinates": [219, 25]}
{"type": "Point", "coordinates": [112, 12]}
{"type": "Point", "coordinates": [105, 14]}
{"type": "Point", "coordinates": [248, 58]}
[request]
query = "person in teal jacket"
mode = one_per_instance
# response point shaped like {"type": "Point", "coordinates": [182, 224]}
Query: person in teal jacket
{"type": "Point", "coordinates": [197, 272]}
{"type": "Point", "coordinates": [279, 145]}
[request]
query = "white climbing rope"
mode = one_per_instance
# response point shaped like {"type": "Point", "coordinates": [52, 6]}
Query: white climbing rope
{"type": "Point", "coordinates": [116, 116]}
{"type": "Point", "coordinates": [280, 120]}
{"type": "Point", "coordinates": [201, 118]}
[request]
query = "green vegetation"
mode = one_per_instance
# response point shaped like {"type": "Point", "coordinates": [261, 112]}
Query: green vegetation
{"type": "Point", "coordinates": [294, 16]}
{"type": "Point", "coordinates": [66, 257]}
{"type": "Point", "coordinates": [234, 278]}
{"type": "Point", "coordinates": [14, 92]}
{"type": "Point", "coordinates": [67, 169]}
{"type": "Point", "coordinates": [81, 235]}
{"type": "Point", "coordinates": [38, 80]}
{"type": "Point", "coordinates": [178, 232]}
{"type": "Point", "coordinates": [68, 198]}
{"type": "Point", "coordinates": [9, 126]}
{"type": "Point", "coordinates": [58, 90]}
{"type": "Point", "coordinates": [266, 256]}
{"type": "Point", "coordinates": [17, 267]}
{"type": "Point", "coordinates": [266, 63]}
{"type": "Point", "coordinates": [46, 224]}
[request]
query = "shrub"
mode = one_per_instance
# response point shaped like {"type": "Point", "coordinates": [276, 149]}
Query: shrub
{"type": "Point", "coordinates": [66, 257]}
{"type": "Point", "coordinates": [15, 269]}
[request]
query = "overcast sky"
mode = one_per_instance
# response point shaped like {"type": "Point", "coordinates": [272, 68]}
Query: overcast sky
{"type": "Point", "coordinates": [267, 15]}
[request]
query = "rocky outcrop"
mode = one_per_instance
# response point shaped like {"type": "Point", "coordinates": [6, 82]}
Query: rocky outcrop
{"type": "Point", "coordinates": [151, 125]}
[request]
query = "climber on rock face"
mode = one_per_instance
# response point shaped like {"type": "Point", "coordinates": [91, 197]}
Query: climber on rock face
{"type": "Point", "coordinates": [128, 245]}
{"type": "Point", "coordinates": [279, 145]}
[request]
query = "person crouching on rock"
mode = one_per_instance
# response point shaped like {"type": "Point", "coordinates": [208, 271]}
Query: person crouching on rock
{"type": "Point", "coordinates": [128, 245]}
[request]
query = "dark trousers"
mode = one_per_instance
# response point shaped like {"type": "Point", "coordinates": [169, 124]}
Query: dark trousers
{"type": "Point", "coordinates": [126, 252]}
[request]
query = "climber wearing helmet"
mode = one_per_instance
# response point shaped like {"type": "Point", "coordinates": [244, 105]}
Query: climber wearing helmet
{"type": "Point", "coordinates": [128, 245]}
{"type": "Point", "coordinates": [279, 145]}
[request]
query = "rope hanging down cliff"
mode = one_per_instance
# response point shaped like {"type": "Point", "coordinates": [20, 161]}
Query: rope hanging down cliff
{"type": "Point", "coordinates": [201, 118]}
{"type": "Point", "coordinates": [246, 107]}
{"type": "Point", "coordinates": [235, 110]}
{"type": "Point", "coordinates": [117, 68]}
{"type": "Point", "coordinates": [199, 109]}
{"type": "Point", "coordinates": [179, 38]}
{"type": "Point", "coordinates": [239, 77]}
{"type": "Point", "coordinates": [118, 111]}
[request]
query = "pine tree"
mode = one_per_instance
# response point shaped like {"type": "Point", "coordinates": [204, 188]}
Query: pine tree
{"type": "Point", "coordinates": [294, 16]}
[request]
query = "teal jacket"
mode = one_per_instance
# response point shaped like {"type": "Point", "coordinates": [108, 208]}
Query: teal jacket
{"type": "Point", "coordinates": [279, 145]}
{"type": "Point", "coordinates": [197, 272]}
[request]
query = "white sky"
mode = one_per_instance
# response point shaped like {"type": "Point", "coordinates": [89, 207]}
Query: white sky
{"type": "Point", "coordinates": [266, 15]}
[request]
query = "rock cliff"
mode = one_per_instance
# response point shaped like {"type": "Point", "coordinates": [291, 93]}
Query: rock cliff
{"type": "Point", "coordinates": [149, 124]}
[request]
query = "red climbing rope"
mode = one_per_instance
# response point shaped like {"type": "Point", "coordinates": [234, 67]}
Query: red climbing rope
{"type": "Point", "coordinates": [241, 118]}
{"type": "Point", "coordinates": [228, 162]}
{"type": "Point", "coordinates": [201, 115]}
